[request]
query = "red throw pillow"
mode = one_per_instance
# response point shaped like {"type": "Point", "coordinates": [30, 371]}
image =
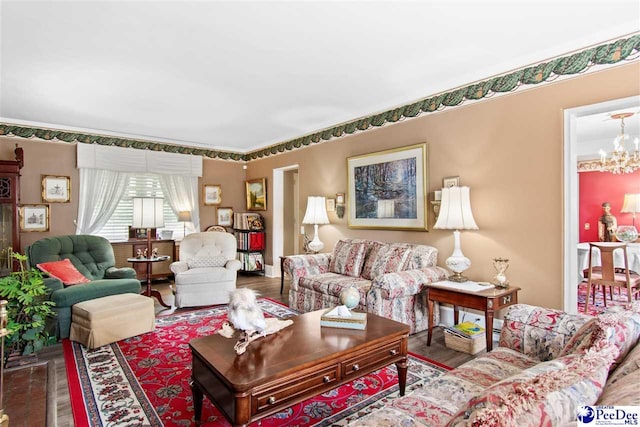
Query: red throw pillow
{"type": "Point", "coordinates": [64, 271]}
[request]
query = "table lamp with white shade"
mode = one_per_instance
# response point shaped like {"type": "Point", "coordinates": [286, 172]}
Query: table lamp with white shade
{"type": "Point", "coordinates": [631, 204]}
{"type": "Point", "coordinates": [455, 214]}
{"type": "Point", "coordinates": [148, 212]}
{"type": "Point", "coordinates": [316, 214]}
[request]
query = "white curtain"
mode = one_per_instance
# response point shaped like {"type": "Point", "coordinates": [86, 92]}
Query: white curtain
{"type": "Point", "coordinates": [100, 193]}
{"type": "Point", "coordinates": [182, 194]}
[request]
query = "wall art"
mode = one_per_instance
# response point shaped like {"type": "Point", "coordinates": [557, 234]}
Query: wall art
{"type": "Point", "coordinates": [256, 194]}
{"type": "Point", "coordinates": [34, 217]}
{"type": "Point", "coordinates": [212, 194]}
{"type": "Point", "coordinates": [56, 189]}
{"type": "Point", "coordinates": [388, 189]}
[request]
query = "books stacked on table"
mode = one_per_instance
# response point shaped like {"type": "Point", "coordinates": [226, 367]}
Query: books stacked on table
{"type": "Point", "coordinates": [467, 337]}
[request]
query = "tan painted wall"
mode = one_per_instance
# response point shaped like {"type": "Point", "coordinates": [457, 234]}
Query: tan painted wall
{"type": "Point", "coordinates": [508, 149]}
{"type": "Point", "coordinates": [57, 158]}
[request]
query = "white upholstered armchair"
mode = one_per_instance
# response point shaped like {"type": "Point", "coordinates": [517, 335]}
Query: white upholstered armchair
{"type": "Point", "coordinates": [207, 269]}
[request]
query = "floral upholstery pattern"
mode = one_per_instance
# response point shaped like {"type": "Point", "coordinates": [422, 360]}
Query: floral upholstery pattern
{"type": "Point", "coordinates": [622, 385]}
{"type": "Point", "coordinates": [331, 285]}
{"type": "Point", "coordinates": [398, 295]}
{"type": "Point", "coordinates": [546, 394]}
{"type": "Point", "coordinates": [385, 259]}
{"type": "Point", "coordinates": [539, 332]}
{"type": "Point", "coordinates": [621, 328]}
{"type": "Point", "coordinates": [548, 364]}
{"type": "Point", "coordinates": [348, 258]}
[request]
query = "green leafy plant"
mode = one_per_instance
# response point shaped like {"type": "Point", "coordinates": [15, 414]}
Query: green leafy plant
{"type": "Point", "coordinates": [28, 309]}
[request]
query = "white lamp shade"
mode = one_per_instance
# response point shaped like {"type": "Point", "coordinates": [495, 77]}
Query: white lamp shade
{"type": "Point", "coordinates": [631, 203]}
{"type": "Point", "coordinates": [316, 211]}
{"type": "Point", "coordinates": [148, 212]}
{"type": "Point", "coordinates": [184, 216]}
{"type": "Point", "coordinates": [455, 210]}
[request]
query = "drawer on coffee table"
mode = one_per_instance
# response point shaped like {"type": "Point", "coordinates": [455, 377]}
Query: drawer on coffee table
{"type": "Point", "coordinates": [281, 392]}
{"type": "Point", "coordinates": [377, 357]}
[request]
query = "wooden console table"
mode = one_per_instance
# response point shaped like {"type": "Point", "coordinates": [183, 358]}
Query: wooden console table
{"type": "Point", "coordinates": [489, 301]}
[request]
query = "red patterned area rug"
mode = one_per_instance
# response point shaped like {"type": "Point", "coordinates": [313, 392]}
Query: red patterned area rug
{"type": "Point", "coordinates": [619, 299]}
{"type": "Point", "coordinates": [145, 380]}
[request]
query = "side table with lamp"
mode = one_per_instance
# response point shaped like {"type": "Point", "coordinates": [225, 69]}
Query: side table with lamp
{"type": "Point", "coordinates": [148, 212]}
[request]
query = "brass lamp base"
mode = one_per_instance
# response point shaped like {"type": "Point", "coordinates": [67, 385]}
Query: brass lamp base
{"type": "Point", "coordinates": [458, 278]}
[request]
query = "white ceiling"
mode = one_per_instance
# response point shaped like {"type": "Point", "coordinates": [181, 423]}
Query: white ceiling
{"type": "Point", "coordinates": [243, 75]}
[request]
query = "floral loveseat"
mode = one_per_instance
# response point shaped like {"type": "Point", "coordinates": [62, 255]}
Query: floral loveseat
{"type": "Point", "coordinates": [390, 278]}
{"type": "Point", "coordinates": [549, 364]}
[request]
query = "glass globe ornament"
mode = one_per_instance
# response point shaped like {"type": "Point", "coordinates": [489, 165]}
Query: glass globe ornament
{"type": "Point", "coordinates": [626, 233]}
{"type": "Point", "coordinates": [350, 298]}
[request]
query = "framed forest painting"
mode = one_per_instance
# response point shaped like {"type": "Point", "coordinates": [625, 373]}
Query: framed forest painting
{"type": "Point", "coordinates": [388, 189]}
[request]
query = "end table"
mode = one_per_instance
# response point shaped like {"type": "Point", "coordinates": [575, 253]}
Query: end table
{"type": "Point", "coordinates": [489, 301]}
{"type": "Point", "coordinates": [149, 261]}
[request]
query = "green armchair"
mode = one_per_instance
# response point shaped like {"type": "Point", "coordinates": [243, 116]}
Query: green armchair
{"type": "Point", "coordinates": [93, 257]}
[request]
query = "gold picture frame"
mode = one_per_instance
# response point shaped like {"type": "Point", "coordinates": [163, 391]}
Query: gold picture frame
{"type": "Point", "coordinates": [212, 194]}
{"type": "Point", "coordinates": [450, 181]}
{"type": "Point", "coordinates": [56, 189]}
{"type": "Point", "coordinates": [372, 180]}
{"type": "Point", "coordinates": [34, 217]}
{"type": "Point", "coordinates": [256, 194]}
{"type": "Point", "coordinates": [225, 217]}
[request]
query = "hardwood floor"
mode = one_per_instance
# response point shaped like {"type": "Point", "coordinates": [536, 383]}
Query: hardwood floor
{"type": "Point", "coordinates": [266, 287]}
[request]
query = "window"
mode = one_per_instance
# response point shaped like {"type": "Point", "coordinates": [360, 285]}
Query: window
{"type": "Point", "coordinates": [141, 185]}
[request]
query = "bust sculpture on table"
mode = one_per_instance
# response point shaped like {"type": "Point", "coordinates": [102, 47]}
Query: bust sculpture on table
{"type": "Point", "coordinates": [607, 224]}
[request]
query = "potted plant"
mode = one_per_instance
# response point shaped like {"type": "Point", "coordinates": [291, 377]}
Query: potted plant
{"type": "Point", "coordinates": [28, 309]}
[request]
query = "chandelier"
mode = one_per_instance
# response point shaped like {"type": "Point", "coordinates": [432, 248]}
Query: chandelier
{"type": "Point", "coordinates": [620, 160]}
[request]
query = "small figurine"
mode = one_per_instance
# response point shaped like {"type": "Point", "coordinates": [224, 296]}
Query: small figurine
{"type": "Point", "coordinates": [145, 253]}
{"type": "Point", "coordinates": [607, 224]}
{"type": "Point", "coordinates": [154, 253]}
{"type": "Point", "coordinates": [139, 254]}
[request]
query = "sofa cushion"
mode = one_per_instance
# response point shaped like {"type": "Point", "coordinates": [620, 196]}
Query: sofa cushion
{"type": "Point", "coordinates": [333, 284]}
{"type": "Point", "coordinates": [385, 258]}
{"type": "Point", "coordinates": [539, 332]}
{"type": "Point", "coordinates": [617, 326]}
{"type": "Point", "coordinates": [348, 257]}
{"type": "Point", "coordinates": [64, 271]}
{"type": "Point", "coordinates": [548, 393]}
{"type": "Point", "coordinates": [623, 384]}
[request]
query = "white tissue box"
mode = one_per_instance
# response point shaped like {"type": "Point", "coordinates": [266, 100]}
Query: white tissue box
{"type": "Point", "coordinates": [357, 320]}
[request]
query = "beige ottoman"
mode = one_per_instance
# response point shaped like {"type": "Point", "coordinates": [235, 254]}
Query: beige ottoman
{"type": "Point", "coordinates": [113, 318]}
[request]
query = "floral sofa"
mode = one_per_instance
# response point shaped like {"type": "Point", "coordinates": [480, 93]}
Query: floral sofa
{"type": "Point", "coordinates": [549, 364]}
{"type": "Point", "coordinates": [390, 278]}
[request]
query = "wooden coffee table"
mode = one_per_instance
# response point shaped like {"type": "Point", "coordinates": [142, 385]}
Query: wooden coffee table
{"type": "Point", "coordinates": [297, 363]}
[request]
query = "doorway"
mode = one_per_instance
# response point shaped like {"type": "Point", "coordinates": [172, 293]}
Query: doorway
{"type": "Point", "coordinates": [286, 219]}
{"type": "Point", "coordinates": [572, 151]}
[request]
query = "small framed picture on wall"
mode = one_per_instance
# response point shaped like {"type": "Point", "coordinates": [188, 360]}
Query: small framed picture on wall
{"type": "Point", "coordinates": [212, 194]}
{"type": "Point", "coordinates": [451, 181]}
{"type": "Point", "coordinates": [225, 217]}
{"type": "Point", "coordinates": [34, 217]}
{"type": "Point", "coordinates": [56, 189]}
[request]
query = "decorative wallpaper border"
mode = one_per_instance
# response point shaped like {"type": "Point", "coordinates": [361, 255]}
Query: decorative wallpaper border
{"type": "Point", "coordinates": [576, 63]}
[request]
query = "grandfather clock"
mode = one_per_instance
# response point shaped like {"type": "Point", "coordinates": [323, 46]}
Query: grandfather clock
{"type": "Point", "coordinates": [9, 219]}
